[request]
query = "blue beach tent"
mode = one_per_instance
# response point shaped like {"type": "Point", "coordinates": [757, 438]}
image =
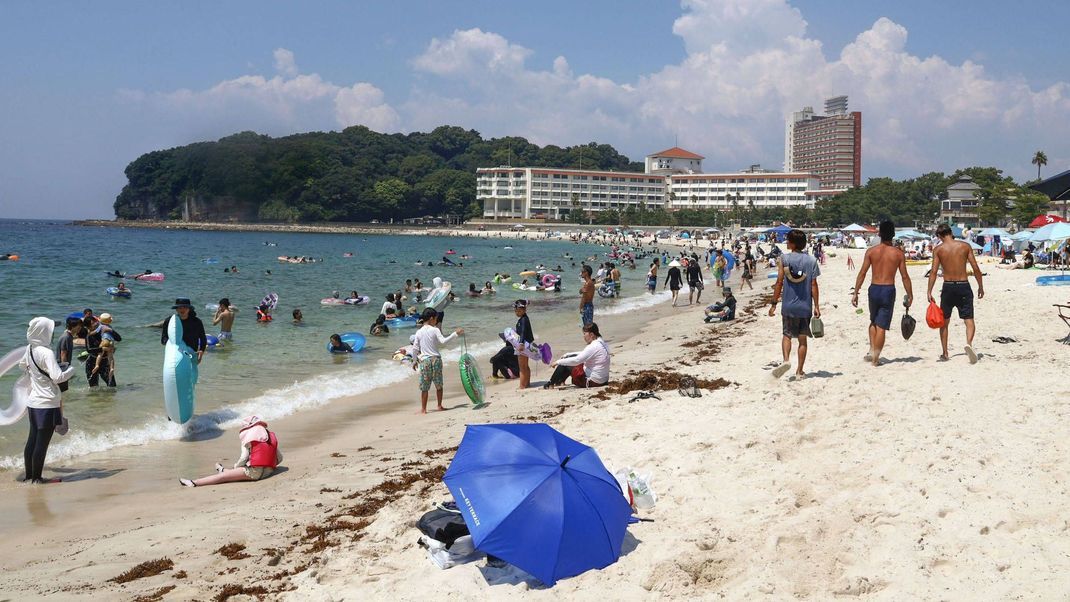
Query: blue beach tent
{"type": "Point", "coordinates": [538, 499]}
{"type": "Point", "coordinates": [781, 232]}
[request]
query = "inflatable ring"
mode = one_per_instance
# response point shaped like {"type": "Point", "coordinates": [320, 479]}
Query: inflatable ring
{"type": "Point", "coordinates": [115, 292]}
{"type": "Point", "coordinates": [151, 277]}
{"type": "Point", "coordinates": [471, 379]}
{"type": "Point", "coordinates": [405, 322]}
{"type": "Point", "coordinates": [20, 392]}
{"type": "Point", "coordinates": [527, 273]}
{"type": "Point", "coordinates": [361, 300]}
{"type": "Point", "coordinates": [548, 280]}
{"type": "Point", "coordinates": [353, 339]}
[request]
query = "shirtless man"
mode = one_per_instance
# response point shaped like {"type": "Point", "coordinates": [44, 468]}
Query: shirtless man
{"type": "Point", "coordinates": [952, 256]}
{"type": "Point", "coordinates": [886, 259]}
{"type": "Point", "coordinates": [224, 316]}
{"type": "Point", "coordinates": [586, 296]}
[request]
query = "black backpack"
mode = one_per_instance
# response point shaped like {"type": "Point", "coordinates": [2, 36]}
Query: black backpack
{"type": "Point", "coordinates": [443, 525]}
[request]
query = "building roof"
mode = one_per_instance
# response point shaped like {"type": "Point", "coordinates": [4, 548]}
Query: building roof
{"type": "Point", "coordinates": [677, 153]}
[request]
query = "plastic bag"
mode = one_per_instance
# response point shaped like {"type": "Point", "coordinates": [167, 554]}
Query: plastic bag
{"type": "Point", "coordinates": [934, 316]}
{"type": "Point", "coordinates": [636, 488]}
{"type": "Point", "coordinates": [907, 325]}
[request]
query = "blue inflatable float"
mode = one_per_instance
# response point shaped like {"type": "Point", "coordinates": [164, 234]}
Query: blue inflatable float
{"type": "Point", "coordinates": [179, 374]}
{"type": "Point", "coordinates": [353, 339]}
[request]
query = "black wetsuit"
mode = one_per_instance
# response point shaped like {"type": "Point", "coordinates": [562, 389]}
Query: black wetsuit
{"type": "Point", "coordinates": [523, 329]}
{"type": "Point", "coordinates": [192, 332]}
{"type": "Point", "coordinates": [673, 278]}
{"type": "Point", "coordinates": [92, 346]}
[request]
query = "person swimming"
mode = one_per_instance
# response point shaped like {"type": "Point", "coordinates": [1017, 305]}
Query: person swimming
{"type": "Point", "coordinates": [472, 290]}
{"type": "Point", "coordinates": [338, 346]}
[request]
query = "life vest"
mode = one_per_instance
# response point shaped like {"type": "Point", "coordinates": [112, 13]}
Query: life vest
{"type": "Point", "coordinates": [262, 317]}
{"type": "Point", "coordinates": [263, 454]}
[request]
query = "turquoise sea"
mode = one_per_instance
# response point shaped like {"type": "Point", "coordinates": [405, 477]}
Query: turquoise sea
{"type": "Point", "coordinates": [273, 369]}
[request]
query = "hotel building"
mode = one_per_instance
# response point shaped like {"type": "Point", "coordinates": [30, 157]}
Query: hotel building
{"type": "Point", "coordinates": [549, 193]}
{"type": "Point", "coordinates": [829, 146]}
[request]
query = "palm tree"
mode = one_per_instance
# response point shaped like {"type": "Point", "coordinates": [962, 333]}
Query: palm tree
{"type": "Point", "coordinates": [1039, 159]}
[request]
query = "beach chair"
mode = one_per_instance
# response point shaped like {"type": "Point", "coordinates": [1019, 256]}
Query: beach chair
{"type": "Point", "coordinates": [1066, 319]}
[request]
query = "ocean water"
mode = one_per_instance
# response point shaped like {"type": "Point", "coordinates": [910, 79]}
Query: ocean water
{"type": "Point", "coordinates": [272, 369]}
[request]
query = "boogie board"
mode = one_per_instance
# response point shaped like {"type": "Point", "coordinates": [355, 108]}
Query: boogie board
{"type": "Point", "coordinates": [20, 392]}
{"type": "Point", "coordinates": [271, 300]}
{"type": "Point", "coordinates": [471, 379]}
{"type": "Point", "coordinates": [1059, 280]}
{"type": "Point", "coordinates": [438, 297]}
{"type": "Point", "coordinates": [179, 374]}
{"type": "Point", "coordinates": [541, 353]}
{"type": "Point", "coordinates": [353, 339]}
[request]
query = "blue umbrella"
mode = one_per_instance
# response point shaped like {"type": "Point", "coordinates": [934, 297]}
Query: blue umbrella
{"type": "Point", "coordinates": [538, 500]}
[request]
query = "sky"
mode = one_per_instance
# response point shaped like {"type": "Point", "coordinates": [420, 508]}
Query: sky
{"type": "Point", "coordinates": [85, 88]}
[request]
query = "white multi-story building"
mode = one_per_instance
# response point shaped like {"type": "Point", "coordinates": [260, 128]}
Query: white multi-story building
{"type": "Point", "coordinates": [545, 193]}
{"type": "Point", "coordinates": [754, 186]}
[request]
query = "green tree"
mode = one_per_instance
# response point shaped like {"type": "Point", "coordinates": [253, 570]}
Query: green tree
{"type": "Point", "coordinates": [1027, 205]}
{"type": "Point", "coordinates": [390, 194]}
{"type": "Point", "coordinates": [1039, 159]}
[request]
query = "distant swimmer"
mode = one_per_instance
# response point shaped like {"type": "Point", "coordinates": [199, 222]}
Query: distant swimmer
{"type": "Point", "coordinates": [117, 274]}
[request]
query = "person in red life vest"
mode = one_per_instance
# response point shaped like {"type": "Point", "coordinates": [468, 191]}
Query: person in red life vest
{"type": "Point", "coordinates": [263, 313]}
{"type": "Point", "coordinates": [260, 454]}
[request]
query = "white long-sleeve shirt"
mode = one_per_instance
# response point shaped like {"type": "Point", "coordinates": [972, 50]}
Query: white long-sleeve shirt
{"type": "Point", "coordinates": [426, 341]}
{"type": "Point", "coordinates": [595, 360]}
{"type": "Point", "coordinates": [43, 390]}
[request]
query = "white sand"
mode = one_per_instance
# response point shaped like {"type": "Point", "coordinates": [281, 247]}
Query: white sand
{"type": "Point", "coordinates": [916, 479]}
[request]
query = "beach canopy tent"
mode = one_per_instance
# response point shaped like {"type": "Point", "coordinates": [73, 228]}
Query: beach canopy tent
{"type": "Point", "coordinates": [1044, 220]}
{"type": "Point", "coordinates": [538, 499]}
{"type": "Point", "coordinates": [685, 235]}
{"type": "Point", "coordinates": [956, 231]}
{"type": "Point", "coordinates": [1056, 188]}
{"type": "Point", "coordinates": [780, 232]}
{"type": "Point", "coordinates": [974, 246]}
{"type": "Point", "coordinates": [710, 230]}
{"type": "Point", "coordinates": [519, 226]}
{"type": "Point", "coordinates": [1056, 231]}
{"type": "Point", "coordinates": [855, 228]}
{"type": "Point", "coordinates": [912, 235]}
{"type": "Point", "coordinates": [994, 232]}
{"type": "Point", "coordinates": [1023, 235]}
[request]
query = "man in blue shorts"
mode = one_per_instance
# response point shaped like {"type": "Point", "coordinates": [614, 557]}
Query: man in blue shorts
{"type": "Point", "coordinates": [886, 259]}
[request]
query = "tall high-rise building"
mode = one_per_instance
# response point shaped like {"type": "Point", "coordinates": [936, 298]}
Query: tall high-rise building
{"type": "Point", "coordinates": [828, 146]}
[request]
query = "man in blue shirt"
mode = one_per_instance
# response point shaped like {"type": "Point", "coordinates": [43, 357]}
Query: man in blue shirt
{"type": "Point", "coordinates": [796, 280]}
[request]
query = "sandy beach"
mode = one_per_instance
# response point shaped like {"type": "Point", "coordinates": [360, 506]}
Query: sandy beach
{"type": "Point", "coordinates": [913, 480]}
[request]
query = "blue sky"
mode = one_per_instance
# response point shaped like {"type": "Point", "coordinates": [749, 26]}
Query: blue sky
{"type": "Point", "coordinates": [87, 87]}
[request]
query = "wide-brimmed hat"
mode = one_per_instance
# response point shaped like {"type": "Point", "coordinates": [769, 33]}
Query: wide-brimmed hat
{"type": "Point", "coordinates": [181, 302]}
{"type": "Point", "coordinates": [105, 318]}
{"type": "Point", "coordinates": [251, 421]}
{"type": "Point", "coordinates": [674, 264]}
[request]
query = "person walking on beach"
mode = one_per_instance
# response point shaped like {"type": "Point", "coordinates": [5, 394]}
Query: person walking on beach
{"type": "Point", "coordinates": [428, 359]}
{"type": "Point", "coordinates": [694, 280]}
{"type": "Point", "coordinates": [796, 280]}
{"type": "Point", "coordinates": [953, 256]}
{"type": "Point", "coordinates": [886, 259]}
{"type": "Point", "coordinates": [44, 402]}
{"type": "Point", "coordinates": [586, 296]}
{"type": "Point", "coordinates": [192, 328]}
{"type": "Point", "coordinates": [224, 316]}
{"type": "Point", "coordinates": [523, 330]}
{"type": "Point", "coordinates": [652, 276]}
{"type": "Point", "coordinates": [674, 280]}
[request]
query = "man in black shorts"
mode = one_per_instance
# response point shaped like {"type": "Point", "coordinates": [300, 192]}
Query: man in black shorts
{"type": "Point", "coordinates": [694, 280]}
{"type": "Point", "coordinates": [953, 256]}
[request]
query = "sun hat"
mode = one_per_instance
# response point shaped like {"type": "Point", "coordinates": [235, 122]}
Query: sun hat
{"type": "Point", "coordinates": [181, 302]}
{"type": "Point", "coordinates": [105, 318]}
{"type": "Point", "coordinates": [674, 264]}
{"type": "Point", "coordinates": [251, 421]}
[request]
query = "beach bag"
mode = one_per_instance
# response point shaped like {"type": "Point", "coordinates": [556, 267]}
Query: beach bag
{"type": "Point", "coordinates": [934, 316]}
{"type": "Point", "coordinates": [907, 325]}
{"type": "Point", "coordinates": [442, 525]}
{"type": "Point", "coordinates": [817, 327]}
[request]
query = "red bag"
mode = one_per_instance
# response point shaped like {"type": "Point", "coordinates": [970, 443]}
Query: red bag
{"type": "Point", "coordinates": [934, 316]}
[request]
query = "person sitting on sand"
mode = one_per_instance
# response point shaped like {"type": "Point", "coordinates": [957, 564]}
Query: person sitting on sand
{"type": "Point", "coordinates": [379, 328]}
{"type": "Point", "coordinates": [587, 368]}
{"type": "Point", "coordinates": [260, 455]}
{"type": "Point", "coordinates": [722, 311]}
{"type": "Point", "coordinates": [339, 346]}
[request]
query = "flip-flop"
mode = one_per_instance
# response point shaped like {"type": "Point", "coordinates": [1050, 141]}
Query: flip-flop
{"type": "Point", "coordinates": [781, 370]}
{"type": "Point", "coordinates": [694, 391]}
{"type": "Point", "coordinates": [970, 353]}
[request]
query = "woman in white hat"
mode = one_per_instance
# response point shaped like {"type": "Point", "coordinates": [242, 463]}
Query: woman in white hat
{"type": "Point", "coordinates": [674, 279]}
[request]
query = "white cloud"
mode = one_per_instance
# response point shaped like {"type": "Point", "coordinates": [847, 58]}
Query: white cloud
{"type": "Point", "coordinates": [748, 63]}
{"type": "Point", "coordinates": [285, 103]}
{"type": "Point", "coordinates": [284, 62]}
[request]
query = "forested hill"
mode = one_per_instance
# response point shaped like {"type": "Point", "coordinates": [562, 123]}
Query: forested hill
{"type": "Point", "coordinates": [352, 175]}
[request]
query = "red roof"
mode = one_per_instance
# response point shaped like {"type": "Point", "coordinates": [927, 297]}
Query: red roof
{"type": "Point", "coordinates": [677, 153]}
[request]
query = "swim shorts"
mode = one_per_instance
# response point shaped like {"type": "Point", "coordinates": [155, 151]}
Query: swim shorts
{"type": "Point", "coordinates": [881, 305]}
{"type": "Point", "coordinates": [695, 284]}
{"type": "Point", "coordinates": [652, 283]}
{"type": "Point", "coordinates": [587, 313]}
{"type": "Point", "coordinates": [258, 472]}
{"type": "Point", "coordinates": [225, 336]}
{"type": "Point", "coordinates": [430, 372]}
{"type": "Point", "coordinates": [796, 327]}
{"type": "Point", "coordinates": [957, 294]}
